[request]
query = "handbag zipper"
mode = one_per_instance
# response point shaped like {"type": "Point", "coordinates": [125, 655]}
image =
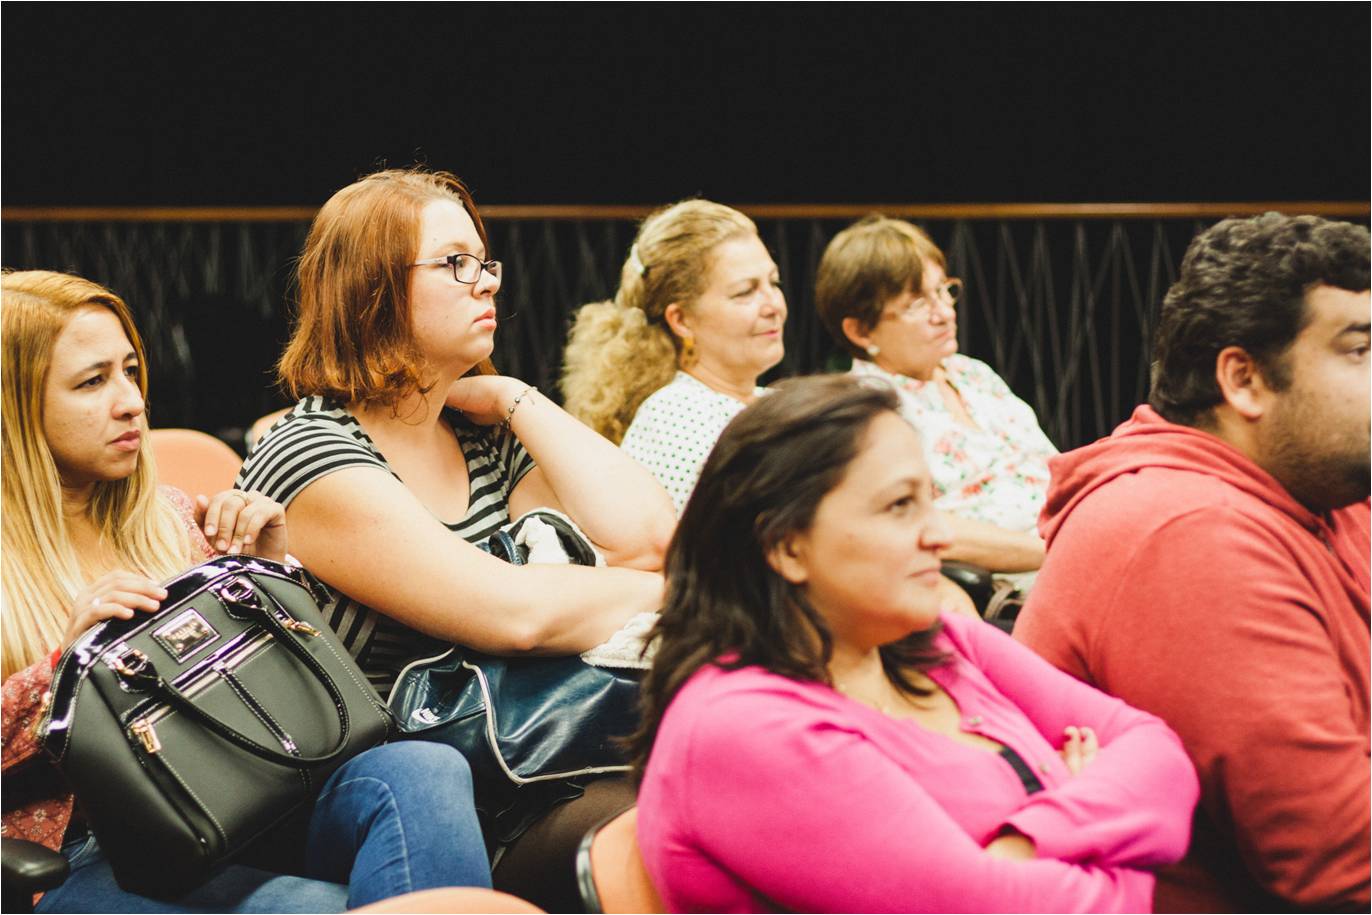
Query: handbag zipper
{"type": "Point", "coordinates": [143, 730]}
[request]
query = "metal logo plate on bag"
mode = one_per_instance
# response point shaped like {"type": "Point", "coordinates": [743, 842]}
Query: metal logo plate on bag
{"type": "Point", "coordinates": [186, 634]}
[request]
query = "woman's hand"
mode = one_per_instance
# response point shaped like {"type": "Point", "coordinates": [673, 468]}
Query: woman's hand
{"type": "Point", "coordinates": [485, 399]}
{"type": "Point", "coordinates": [243, 522]}
{"type": "Point", "coordinates": [1079, 748]}
{"type": "Point", "coordinates": [615, 500]}
{"type": "Point", "coordinates": [115, 595]}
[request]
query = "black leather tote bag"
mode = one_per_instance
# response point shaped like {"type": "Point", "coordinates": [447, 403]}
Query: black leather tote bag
{"type": "Point", "coordinates": [532, 729]}
{"type": "Point", "coordinates": [187, 733]}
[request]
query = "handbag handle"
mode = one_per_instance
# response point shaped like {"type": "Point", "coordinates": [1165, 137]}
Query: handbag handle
{"type": "Point", "coordinates": [182, 703]}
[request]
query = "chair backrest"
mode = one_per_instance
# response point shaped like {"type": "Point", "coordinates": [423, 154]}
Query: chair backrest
{"type": "Point", "coordinates": [194, 462]}
{"type": "Point", "coordinates": [452, 899]}
{"type": "Point", "coordinates": [610, 871]}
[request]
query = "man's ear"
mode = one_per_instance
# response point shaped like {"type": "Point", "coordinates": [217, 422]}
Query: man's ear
{"type": "Point", "coordinates": [1241, 383]}
{"type": "Point", "coordinates": [787, 559]}
{"type": "Point", "coordinates": [856, 333]}
{"type": "Point", "coordinates": [676, 319]}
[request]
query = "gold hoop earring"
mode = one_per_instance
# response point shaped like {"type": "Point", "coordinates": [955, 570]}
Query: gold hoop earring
{"type": "Point", "coordinates": [688, 352]}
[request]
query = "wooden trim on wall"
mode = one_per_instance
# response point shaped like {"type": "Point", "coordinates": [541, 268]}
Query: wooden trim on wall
{"type": "Point", "coordinates": [935, 211]}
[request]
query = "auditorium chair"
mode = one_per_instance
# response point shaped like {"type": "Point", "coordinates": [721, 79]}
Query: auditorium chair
{"type": "Point", "coordinates": [194, 462]}
{"type": "Point", "coordinates": [610, 871]}
{"type": "Point", "coordinates": [451, 899]}
{"type": "Point", "coordinates": [980, 585]}
{"type": "Point", "coordinates": [28, 868]}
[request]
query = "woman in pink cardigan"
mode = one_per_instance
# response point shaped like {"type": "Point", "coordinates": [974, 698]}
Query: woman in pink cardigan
{"type": "Point", "coordinates": [817, 738]}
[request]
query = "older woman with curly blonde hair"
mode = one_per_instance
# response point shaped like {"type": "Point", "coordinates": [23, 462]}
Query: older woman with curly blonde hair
{"type": "Point", "coordinates": [666, 364]}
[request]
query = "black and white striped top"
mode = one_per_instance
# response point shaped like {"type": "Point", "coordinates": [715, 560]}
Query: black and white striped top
{"type": "Point", "coordinates": [320, 436]}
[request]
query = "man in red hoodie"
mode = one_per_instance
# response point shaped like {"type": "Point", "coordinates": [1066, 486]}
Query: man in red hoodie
{"type": "Point", "coordinates": [1208, 562]}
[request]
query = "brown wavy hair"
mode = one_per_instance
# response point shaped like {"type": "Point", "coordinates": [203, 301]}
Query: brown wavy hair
{"type": "Point", "coordinates": [352, 339]}
{"type": "Point", "coordinates": [725, 604]}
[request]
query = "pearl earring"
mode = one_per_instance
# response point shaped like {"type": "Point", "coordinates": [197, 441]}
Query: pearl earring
{"type": "Point", "coordinates": [873, 350]}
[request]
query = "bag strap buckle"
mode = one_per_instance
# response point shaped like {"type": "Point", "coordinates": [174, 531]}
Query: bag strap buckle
{"type": "Point", "coordinates": [134, 669]}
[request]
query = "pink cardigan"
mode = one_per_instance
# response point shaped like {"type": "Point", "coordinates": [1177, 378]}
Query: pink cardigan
{"type": "Point", "coordinates": [764, 792]}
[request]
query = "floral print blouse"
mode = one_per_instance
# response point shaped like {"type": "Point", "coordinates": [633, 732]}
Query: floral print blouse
{"type": "Point", "coordinates": [996, 472]}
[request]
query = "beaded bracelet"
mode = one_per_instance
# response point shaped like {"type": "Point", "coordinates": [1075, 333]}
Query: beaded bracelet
{"type": "Point", "coordinates": [514, 405]}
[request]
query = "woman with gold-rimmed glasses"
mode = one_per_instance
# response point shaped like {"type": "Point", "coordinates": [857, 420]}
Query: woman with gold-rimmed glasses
{"type": "Point", "coordinates": [884, 294]}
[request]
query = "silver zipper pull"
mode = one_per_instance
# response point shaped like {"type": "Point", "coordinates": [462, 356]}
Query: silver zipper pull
{"type": "Point", "coordinates": [145, 733]}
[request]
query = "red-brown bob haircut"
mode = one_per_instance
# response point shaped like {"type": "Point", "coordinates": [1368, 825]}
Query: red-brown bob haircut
{"type": "Point", "coordinates": [352, 339]}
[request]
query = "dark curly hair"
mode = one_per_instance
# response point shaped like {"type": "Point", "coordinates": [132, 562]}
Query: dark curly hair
{"type": "Point", "coordinates": [764, 481]}
{"type": "Point", "coordinates": [1243, 283]}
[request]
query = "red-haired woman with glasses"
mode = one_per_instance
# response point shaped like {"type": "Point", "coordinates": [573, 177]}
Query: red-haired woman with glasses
{"type": "Point", "coordinates": [884, 295]}
{"type": "Point", "coordinates": [406, 449]}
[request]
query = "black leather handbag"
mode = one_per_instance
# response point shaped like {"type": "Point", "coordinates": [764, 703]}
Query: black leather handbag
{"type": "Point", "coordinates": [187, 733]}
{"type": "Point", "coordinates": [534, 730]}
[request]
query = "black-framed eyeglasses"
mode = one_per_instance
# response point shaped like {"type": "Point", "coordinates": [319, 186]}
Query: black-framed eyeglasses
{"type": "Point", "coordinates": [466, 267]}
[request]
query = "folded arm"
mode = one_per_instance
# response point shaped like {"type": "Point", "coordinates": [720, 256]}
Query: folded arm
{"type": "Point", "coordinates": [816, 818]}
{"type": "Point", "coordinates": [615, 501]}
{"type": "Point", "coordinates": [1132, 804]}
{"type": "Point", "coordinates": [361, 531]}
{"type": "Point", "coordinates": [992, 547]}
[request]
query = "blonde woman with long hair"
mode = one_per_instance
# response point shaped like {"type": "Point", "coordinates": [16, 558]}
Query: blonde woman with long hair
{"type": "Point", "coordinates": [697, 319]}
{"type": "Point", "coordinates": [87, 536]}
{"type": "Point", "coordinates": [86, 529]}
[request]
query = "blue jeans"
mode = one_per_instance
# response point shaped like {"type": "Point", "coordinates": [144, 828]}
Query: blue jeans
{"type": "Point", "coordinates": [395, 819]}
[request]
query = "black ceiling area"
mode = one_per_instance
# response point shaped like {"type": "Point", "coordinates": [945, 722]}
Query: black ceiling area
{"type": "Point", "coordinates": [259, 104]}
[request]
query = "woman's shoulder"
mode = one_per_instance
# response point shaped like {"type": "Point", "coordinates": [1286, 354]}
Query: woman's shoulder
{"type": "Point", "coordinates": [973, 640]}
{"type": "Point", "coordinates": [723, 720]}
{"type": "Point", "coordinates": [318, 412]}
{"type": "Point", "coordinates": [730, 695]}
{"type": "Point", "coordinates": [681, 389]}
{"type": "Point", "coordinates": [681, 412]}
{"type": "Point", "coordinates": [317, 437]}
{"type": "Point", "coordinates": [178, 499]}
{"type": "Point", "coordinates": [313, 418]}
{"type": "Point", "coordinates": [185, 511]}
{"type": "Point", "coordinates": [688, 400]}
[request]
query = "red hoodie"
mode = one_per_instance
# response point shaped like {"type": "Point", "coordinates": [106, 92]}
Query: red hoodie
{"type": "Point", "coordinates": [1182, 578]}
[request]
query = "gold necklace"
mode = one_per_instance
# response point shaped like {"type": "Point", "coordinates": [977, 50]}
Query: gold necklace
{"type": "Point", "coordinates": [885, 707]}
